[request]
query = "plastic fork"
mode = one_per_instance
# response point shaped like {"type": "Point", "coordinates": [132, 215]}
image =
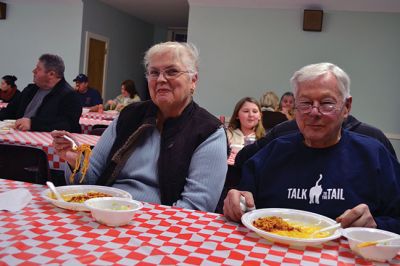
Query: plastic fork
{"type": "Point", "coordinates": [328, 228]}
{"type": "Point", "coordinates": [74, 145]}
{"type": "Point", "coordinates": [54, 190]}
{"type": "Point", "coordinates": [243, 205]}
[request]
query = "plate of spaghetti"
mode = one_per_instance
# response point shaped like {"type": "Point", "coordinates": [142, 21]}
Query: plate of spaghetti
{"type": "Point", "coordinates": [289, 226]}
{"type": "Point", "coordinates": [75, 195]}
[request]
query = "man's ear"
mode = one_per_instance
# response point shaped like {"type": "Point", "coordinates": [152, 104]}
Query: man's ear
{"type": "Point", "coordinates": [347, 105]}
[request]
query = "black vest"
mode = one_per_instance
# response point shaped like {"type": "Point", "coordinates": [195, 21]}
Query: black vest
{"type": "Point", "coordinates": [179, 139]}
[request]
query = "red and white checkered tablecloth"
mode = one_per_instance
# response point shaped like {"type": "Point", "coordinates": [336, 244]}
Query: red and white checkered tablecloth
{"type": "Point", "coordinates": [43, 141]}
{"type": "Point", "coordinates": [42, 234]}
{"type": "Point", "coordinates": [88, 123]}
{"type": "Point", "coordinates": [102, 116]}
{"type": "Point", "coordinates": [3, 105]}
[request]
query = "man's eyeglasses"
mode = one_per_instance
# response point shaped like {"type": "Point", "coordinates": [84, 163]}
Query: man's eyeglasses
{"type": "Point", "coordinates": [170, 73]}
{"type": "Point", "coordinates": [323, 108]}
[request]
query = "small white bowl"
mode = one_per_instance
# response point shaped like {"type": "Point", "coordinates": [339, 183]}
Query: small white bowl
{"type": "Point", "coordinates": [113, 211]}
{"type": "Point", "coordinates": [381, 253]}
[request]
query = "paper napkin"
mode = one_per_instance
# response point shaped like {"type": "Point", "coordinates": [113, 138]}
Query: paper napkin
{"type": "Point", "coordinates": [15, 200]}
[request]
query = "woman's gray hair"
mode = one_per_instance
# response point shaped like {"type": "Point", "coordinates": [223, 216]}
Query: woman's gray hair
{"type": "Point", "coordinates": [54, 63]}
{"type": "Point", "coordinates": [314, 71]}
{"type": "Point", "coordinates": [187, 53]}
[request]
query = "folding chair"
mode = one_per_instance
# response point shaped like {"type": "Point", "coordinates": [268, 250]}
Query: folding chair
{"type": "Point", "coordinates": [23, 163]}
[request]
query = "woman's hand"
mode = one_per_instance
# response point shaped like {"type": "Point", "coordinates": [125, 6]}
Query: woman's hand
{"type": "Point", "coordinates": [63, 147]}
{"type": "Point", "coordinates": [119, 107]}
{"type": "Point", "coordinates": [232, 209]}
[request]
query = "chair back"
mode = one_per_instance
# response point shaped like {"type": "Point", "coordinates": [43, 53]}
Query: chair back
{"type": "Point", "coordinates": [23, 163]}
{"type": "Point", "coordinates": [98, 130]}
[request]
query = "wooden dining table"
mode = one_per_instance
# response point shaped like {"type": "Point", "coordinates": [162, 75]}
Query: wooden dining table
{"type": "Point", "coordinates": [43, 140]}
{"type": "Point", "coordinates": [42, 234]}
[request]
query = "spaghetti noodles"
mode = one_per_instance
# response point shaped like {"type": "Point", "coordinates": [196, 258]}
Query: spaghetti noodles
{"type": "Point", "coordinates": [86, 151]}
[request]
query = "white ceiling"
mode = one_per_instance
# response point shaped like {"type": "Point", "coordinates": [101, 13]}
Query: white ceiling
{"type": "Point", "coordinates": [175, 13]}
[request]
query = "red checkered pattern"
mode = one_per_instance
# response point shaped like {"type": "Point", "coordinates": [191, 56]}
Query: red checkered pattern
{"type": "Point", "coordinates": [44, 234]}
{"type": "Point", "coordinates": [3, 105]}
{"type": "Point", "coordinates": [88, 123]}
{"type": "Point", "coordinates": [43, 141]}
{"type": "Point", "coordinates": [101, 116]}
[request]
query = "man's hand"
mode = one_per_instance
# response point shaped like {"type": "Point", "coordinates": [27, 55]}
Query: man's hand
{"type": "Point", "coordinates": [23, 124]}
{"type": "Point", "coordinates": [359, 216]}
{"type": "Point", "coordinates": [232, 209]}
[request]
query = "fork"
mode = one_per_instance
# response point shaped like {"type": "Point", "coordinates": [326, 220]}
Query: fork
{"type": "Point", "coordinates": [74, 145]}
{"type": "Point", "coordinates": [328, 228]}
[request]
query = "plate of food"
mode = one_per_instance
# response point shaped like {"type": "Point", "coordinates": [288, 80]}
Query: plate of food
{"type": "Point", "coordinates": [289, 226]}
{"type": "Point", "coordinates": [76, 195]}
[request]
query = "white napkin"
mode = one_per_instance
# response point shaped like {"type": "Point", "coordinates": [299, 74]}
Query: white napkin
{"type": "Point", "coordinates": [15, 200]}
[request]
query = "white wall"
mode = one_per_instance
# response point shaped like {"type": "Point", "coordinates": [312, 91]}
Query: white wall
{"type": "Point", "coordinates": [244, 52]}
{"type": "Point", "coordinates": [35, 27]}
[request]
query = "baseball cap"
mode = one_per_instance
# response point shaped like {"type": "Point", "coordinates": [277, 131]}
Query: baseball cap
{"type": "Point", "coordinates": [81, 78]}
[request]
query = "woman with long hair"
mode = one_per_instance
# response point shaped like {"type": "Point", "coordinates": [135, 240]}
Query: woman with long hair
{"type": "Point", "coordinates": [286, 105]}
{"type": "Point", "coordinates": [245, 122]}
{"type": "Point", "coordinates": [8, 88]}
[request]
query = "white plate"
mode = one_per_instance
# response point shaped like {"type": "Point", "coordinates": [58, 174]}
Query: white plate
{"type": "Point", "coordinates": [292, 215]}
{"type": "Point", "coordinates": [115, 192]}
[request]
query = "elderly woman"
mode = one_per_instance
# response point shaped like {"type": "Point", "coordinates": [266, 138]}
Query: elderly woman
{"type": "Point", "coordinates": [8, 88]}
{"type": "Point", "coordinates": [168, 150]}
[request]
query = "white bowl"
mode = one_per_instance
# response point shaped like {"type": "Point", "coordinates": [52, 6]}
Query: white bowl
{"type": "Point", "coordinates": [381, 253]}
{"type": "Point", "coordinates": [113, 211]}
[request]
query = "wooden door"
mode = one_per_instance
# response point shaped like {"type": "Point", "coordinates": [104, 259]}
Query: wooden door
{"type": "Point", "coordinates": [96, 63]}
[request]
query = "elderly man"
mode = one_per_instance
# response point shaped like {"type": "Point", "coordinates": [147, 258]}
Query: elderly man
{"type": "Point", "coordinates": [48, 104]}
{"type": "Point", "coordinates": [323, 169]}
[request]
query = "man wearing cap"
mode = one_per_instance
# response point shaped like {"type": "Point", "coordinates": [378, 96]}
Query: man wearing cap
{"type": "Point", "coordinates": [48, 104]}
{"type": "Point", "coordinates": [89, 96]}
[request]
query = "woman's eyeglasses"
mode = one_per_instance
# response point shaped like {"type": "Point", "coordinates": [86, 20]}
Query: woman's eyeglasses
{"type": "Point", "coordinates": [170, 73]}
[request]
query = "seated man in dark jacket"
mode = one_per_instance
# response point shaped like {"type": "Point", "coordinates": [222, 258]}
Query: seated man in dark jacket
{"type": "Point", "coordinates": [48, 104]}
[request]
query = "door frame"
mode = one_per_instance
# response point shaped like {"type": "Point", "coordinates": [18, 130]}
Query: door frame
{"type": "Point", "coordinates": [90, 35]}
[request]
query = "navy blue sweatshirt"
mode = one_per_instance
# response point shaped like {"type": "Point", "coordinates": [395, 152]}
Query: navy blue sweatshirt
{"type": "Point", "coordinates": [328, 181]}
